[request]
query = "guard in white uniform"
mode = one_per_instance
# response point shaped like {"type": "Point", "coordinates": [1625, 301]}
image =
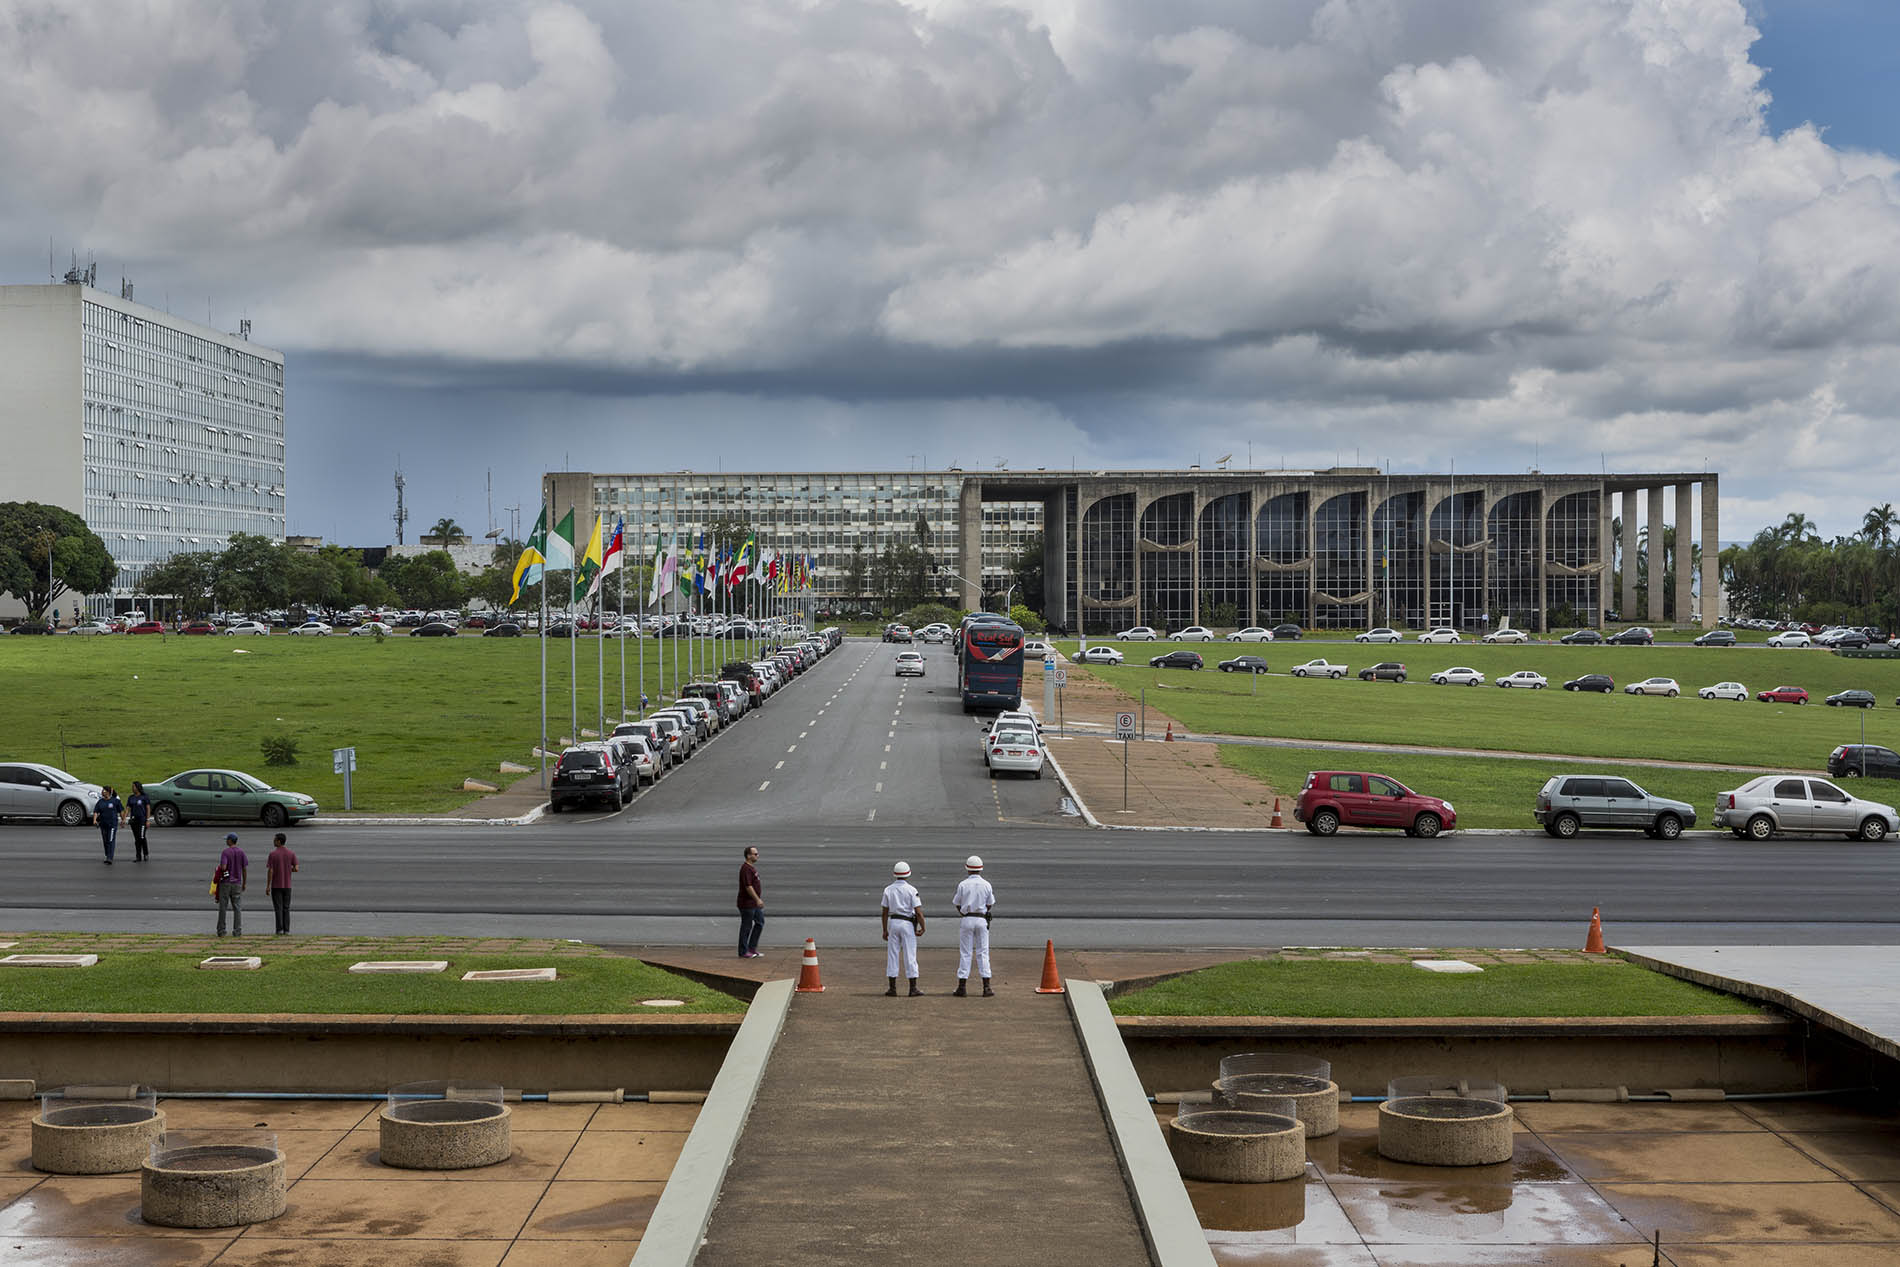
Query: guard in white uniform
{"type": "Point", "coordinates": [903, 915]}
{"type": "Point", "coordinates": [973, 901]}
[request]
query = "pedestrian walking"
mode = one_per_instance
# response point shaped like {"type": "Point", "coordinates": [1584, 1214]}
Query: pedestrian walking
{"type": "Point", "coordinates": [138, 816]}
{"type": "Point", "coordinates": [751, 905]}
{"type": "Point", "coordinates": [232, 873]}
{"type": "Point", "coordinates": [903, 916]}
{"type": "Point", "coordinates": [105, 815]}
{"type": "Point", "coordinates": [974, 901]}
{"type": "Point", "coordinates": [279, 864]}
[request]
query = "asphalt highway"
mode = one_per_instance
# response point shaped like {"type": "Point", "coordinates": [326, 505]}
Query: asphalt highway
{"type": "Point", "coordinates": [849, 769]}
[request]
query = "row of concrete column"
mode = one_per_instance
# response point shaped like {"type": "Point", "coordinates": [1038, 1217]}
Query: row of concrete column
{"type": "Point", "coordinates": [1711, 565]}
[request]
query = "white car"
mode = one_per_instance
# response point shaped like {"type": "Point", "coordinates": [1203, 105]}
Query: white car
{"type": "Point", "coordinates": [247, 629]}
{"type": "Point", "coordinates": [1791, 638]}
{"type": "Point", "coordinates": [312, 629]}
{"type": "Point", "coordinates": [1460, 676]}
{"type": "Point", "coordinates": [1014, 750]}
{"type": "Point", "coordinates": [910, 664]}
{"type": "Point", "coordinates": [1140, 633]}
{"type": "Point", "coordinates": [1099, 655]}
{"type": "Point", "coordinates": [1020, 719]}
{"type": "Point", "coordinates": [1195, 633]}
{"type": "Point", "coordinates": [1036, 649]}
{"type": "Point", "coordinates": [370, 628]}
{"type": "Point", "coordinates": [1524, 677]}
{"type": "Point", "coordinates": [1724, 690]}
{"type": "Point", "coordinates": [1381, 634]}
{"type": "Point", "coordinates": [1319, 668]}
{"type": "Point", "coordinates": [934, 633]}
{"type": "Point", "coordinates": [1252, 633]}
{"type": "Point", "coordinates": [1507, 635]}
{"type": "Point", "coordinates": [1665, 686]}
{"type": "Point", "coordinates": [1442, 634]}
{"type": "Point", "coordinates": [92, 627]}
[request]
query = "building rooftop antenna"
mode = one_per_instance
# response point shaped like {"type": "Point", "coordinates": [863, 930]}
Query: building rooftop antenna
{"type": "Point", "coordinates": [402, 514]}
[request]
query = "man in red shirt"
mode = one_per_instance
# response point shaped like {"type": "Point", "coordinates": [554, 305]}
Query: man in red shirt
{"type": "Point", "coordinates": [751, 905]}
{"type": "Point", "coordinates": [278, 866]}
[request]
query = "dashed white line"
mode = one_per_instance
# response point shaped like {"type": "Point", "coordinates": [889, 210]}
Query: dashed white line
{"type": "Point", "coordinates": [793, 748]}
{"type": "Point", "coordinates": [883, 764]}
{"type": "Point", "coordinates": [887, 747]}
{"type": "Point", "coordinates": [879, 788]}
{"type": "Point", "coordinates": [870, 816]}
{"type": "Point", "coordinates": [779, 766]}
{"type": "Point", "coordinates": [803, 733]}
{"type": "Point", "coordinates": [890, 734]}
{"type": "Point", "coordinates": [764, 785]}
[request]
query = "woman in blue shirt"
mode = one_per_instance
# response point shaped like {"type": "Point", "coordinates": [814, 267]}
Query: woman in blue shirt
{"type": "Point", "coordinates": [138, 813]}
{"type": "Point", "coordinates": [105, 812]}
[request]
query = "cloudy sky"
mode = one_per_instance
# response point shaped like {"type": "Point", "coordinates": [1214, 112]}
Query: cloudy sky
{"type": "Point", "coordinates": [805, 234]}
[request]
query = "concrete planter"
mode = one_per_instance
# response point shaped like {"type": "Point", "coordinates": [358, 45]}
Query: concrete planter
{"type": "Point", "coordinates": [1445, 1131]}
{"type": "Point", "coordinates": [212, 1185]}
{"type": "Point", "coordinates": [444, 1134]}
{"type": "Point", "coordinates": [1315, 1099]}
{"type": "Point", "coordinates": [76, 1138]}
{"type": "Point", "coordinates": [1230, 1146]}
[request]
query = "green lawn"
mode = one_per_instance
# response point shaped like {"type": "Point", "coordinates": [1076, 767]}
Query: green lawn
{"type": "Point", "coordinates": [155, 981]}
{"type": "Point", "coordinates": [1552, 720]}
{"type": "Point", "coordinates": [422, 713]}
{"type": "Point", "coordinates": [1335, 988]}
{"type": "Point", "coordinates": [1486, 791]}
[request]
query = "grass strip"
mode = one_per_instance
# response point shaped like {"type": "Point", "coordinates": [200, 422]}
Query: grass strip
{"type": "Point", "coordinates": [1486, 791]}
{"type": "Point", "coordinates": [322, 984]}
{"type": "Point", "coordinates": [1332, 988]}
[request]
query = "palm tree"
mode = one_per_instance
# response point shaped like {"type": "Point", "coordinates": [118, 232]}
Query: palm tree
{"type": "Point", "coordinates": [446, 529]}
{"type": "Point", "coordinates": [1797, 527]}
{"type": "Point", "coordinates": [1879, 524]}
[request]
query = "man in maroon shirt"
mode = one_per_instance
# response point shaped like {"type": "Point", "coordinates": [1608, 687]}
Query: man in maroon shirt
{"type": "Point", "coordinates": [278, 864]}
{"type": "Point", "coordinates": [751, 905]}
{"type": "Point", "coordinates": [232, 873]}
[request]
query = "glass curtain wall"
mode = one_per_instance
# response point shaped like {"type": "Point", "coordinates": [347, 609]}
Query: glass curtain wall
{"type": "Point", "coordinates": [1107, 572]}
{"type": "Point", "coordinates": [1398, 543]}
{"type": "Point", "coordinates": [1339, 533]}
{"type": "Point", "coordinates": [1280, 542]}
{"type": "Point", "coordinates": [1167, 562]}
{"type": "Point", "coordinates": [1225, 562]}
{"type": "Point", "coordinates": [1457, 537]}
{"type": "Point", "coordinates": [1513, 552]}
{"type": "Point", "coordinates": [1572, 539]}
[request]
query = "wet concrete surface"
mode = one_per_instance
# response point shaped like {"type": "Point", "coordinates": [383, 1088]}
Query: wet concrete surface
{"type": "Point", "coordinates": [1767, 1183]}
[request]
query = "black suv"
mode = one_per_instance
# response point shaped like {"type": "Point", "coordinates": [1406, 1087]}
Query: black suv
{"type": "Point", "coordinates": [1851, 760]}
{"type": "Point", "coordinates": [1591, 682]}
{"type": "Point", "coordinates": [1634, 636]}
{"type": "Point", "coordinates": [589, 773]}
{"type": "Point", "coordinates": [1388, 671]}
{"type": "Point", "coordinates": [1177, 660]}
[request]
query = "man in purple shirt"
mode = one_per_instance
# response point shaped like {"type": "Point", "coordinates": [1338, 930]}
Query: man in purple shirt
{"type": "Point", "coordinates": [751, 904]}
{"type": "Point", "coordinates": [278, 865]}
{"type": "Point", "coordinates": [233, 869]}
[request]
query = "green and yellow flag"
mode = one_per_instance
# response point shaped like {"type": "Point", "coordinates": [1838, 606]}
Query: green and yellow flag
{"type": "Point", "coordinates": [533, 560]}
{"type": "Point", "coordinates": [589, 564]}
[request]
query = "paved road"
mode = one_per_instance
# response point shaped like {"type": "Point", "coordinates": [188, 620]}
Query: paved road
{"type": "Point", "coordinates": [850, 768]}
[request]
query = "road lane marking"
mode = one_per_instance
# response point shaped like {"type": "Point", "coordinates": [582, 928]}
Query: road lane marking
{"type": "Point", "coordinates": [887, 747]}
{"type": "Point", "coordinates": [870, 816]}
{"type": "Point", "coordinates": [883, 764]}
{"type": "Point", "coordinates": [779, 766]}
{"type": "Point", "coordinates": [764, 785]}
{"type": "Point", "coordinates": [890, 734]}
{"type": "Point", "coordinates": [880, 787]}
{"type": "Point", "coordinates": [803, 733]}
{"type": "Point", "coordinates": [794, 747]}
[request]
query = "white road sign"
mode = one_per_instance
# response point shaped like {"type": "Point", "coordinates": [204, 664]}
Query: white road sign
{"type": "Point", "coordinates": [1124, 725]}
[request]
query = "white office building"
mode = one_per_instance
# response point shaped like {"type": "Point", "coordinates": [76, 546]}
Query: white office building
{"type": "Point", "coordinates": [166, 436]}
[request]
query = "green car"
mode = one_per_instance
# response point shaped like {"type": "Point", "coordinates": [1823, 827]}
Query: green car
{"type": "Point", "coordinates": [225, 795]}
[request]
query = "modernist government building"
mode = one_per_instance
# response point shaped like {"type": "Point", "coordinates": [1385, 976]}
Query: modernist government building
{"type": "Point", "coordinates": [1344, 548]}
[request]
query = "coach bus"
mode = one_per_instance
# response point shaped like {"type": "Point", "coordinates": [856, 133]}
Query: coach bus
{"type": "Point", "coordinates": [990, 665]}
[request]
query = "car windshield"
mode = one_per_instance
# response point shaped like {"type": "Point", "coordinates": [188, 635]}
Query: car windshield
{"type": "Point", "coordinates": [1019, 737]}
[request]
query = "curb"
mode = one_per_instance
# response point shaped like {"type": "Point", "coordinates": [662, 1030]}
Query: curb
{"type": "Point", "coordinates": [1068, 786]}
{"type": "Point", "coordinates": [685, 1208]}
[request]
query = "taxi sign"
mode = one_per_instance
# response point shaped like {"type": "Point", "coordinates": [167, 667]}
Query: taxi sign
{"type": "Point", "coordinates": [1124, 725]}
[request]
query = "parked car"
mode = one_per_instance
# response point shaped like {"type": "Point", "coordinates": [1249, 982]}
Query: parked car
{"type": "Point", "coordinates": [1384, 671]}
{"type": "Point", "coordinates": [1245, 664]}
{"type": "Point", "coordinates": [91, 628]}
{"type": "Point", "coordinates": [247, 629]}
{"type": "Point", "coordinates": [1783, 695]}
{"type": "Point", "coordinates": [910, 664]}
{"type": "Point", "coordinates": [509, 629]}
{"type": "Point", "coordinates": [655, 735]}
{"type": "Point", "coordinates": [312, 629]}
{"type": "Point", "coordinates": [1774, 804]}
{"type": "Point", "coordinates": [1569, 802]}
{"type": "Point", "coordinates": [370, 628]}
{"type": "Point", "coordinates": [226, 795]}
{"type": "Point", "coordinates": [29, 789]}
{"type": "Point", "coordinates": [1319, 668]}
{"type": "Point", "coordinates": [1665, 686]}
{"type": "Point", "coordinates": [1381, 634]}
{"type": "Point", "coordinates": [1600, 682]}
{"type": "Point", "coordinates": [588, 773]}
{"type": "Point", "coordinates": [1458, 676]}
{"type": "Point", "coordinates": [1716, 638]}
{"type": "Point", "coordinates": [1140, 633]}
{"type": "Point", "coordinates": [938, 632]}
{"type": "Point", "coordinates": [1634, 636]}
{"type": "Point", "coordinates": [199, 629]}
{"type": "Point", "coordinates": [1177, 660]}
{"type": "Point", "coordinates": [1288, 630]}
{"type": "Point", "coordinates": [635, 752]}
{"type": "Point", "coordinates": [1525, 678]}
{"type": "Point", "coordinates": [146, 627]}
{"type": "Point", "coordinates": [1851, 699]}
{"type": "Point", "coordinates": [1099, 655]}
{"type": "Point", "coordinates": [1037, 649]}
{"type": "Point", "coordinates": [1724, 690]}
{"type": "Point", "coordinates": [1333, 799]}
{"type": "Point", "coordinates": [31, 627]}
{"type": "Point", "coordinates": [1852, 760]}
{"type": "Point", "coordinates": [1507, 635]}
{"type": "Point", "coordinates": [434, 629]}
{"type": "Point", "coordinates": [1014, 751]}
{"type": "Point", "coordinates": [1443, 634]}
{"type": "Point", "coordinates": [1791, 638]}
{"type": "Point", "coordinates": [1194, 633]}
{"type": "Point", "coordinates": [1581, 637]}
{"type": "Point", "coordinates": [1252, 633]}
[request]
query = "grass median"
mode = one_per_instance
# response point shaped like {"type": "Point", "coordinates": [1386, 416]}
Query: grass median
{"type": "Point", "coordinates": [1331, 988]}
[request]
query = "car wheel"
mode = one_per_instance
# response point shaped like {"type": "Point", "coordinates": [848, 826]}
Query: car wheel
{"type": "Point", "coordinates": [1872, 828]}
{"type": "Point", "coordinates": [165, 814]}
{"type": "Point", "coordinates": [1670, 694]}
{"type": "Point", "coordinates": [71, 813]}
{"type": "Point", "coordinates": [1399, 678]}
{"type": "Point", "coordinates": [992, 772]}
{"type": "Point", "coordinates": [1565, 826]}
{"type": "Point", "coordinates": [1325, 823]}
{"type": "Point", "coordinates": [1426, 826]}
{"type": "Point", "coordinates": [1761, 827]}
{"type": "Point", "coordinates": [1800, 701]}
{"type": "Point", "coordinates": [274, 815]}
{"type": "Point", "coordinates": [1473, 682]}
{"type": "Point", "coordinates": [1668, 827]}
{"type": "Point", "coordinates": [1569, 687]}
{"type": "Point", "coordinates": [1850, 773]}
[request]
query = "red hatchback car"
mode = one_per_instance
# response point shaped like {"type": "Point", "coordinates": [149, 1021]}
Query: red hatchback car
{"type": "Point", "coordinates": [1333, 799]}
{"type": "Point", "coordinates": [147, 627]}
{"type": "Point", "coordinates": [1784, 695]}
{"type": "Point", "coordinates": [200, 628]}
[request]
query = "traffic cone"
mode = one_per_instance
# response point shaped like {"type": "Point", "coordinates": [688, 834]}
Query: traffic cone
{"type": "Point", "coordinates": [1277, 820]}
{"type": "Point", "coordinates": [1169, 737]}
{"type": "Point", "coordinates": [1593, 944]}
{"type": "Point", "coordinates": [1051, 979]}
{"type": "Point", "coordinates": [808, 982]}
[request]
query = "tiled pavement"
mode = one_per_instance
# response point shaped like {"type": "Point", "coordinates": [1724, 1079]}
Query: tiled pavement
{"type": "Point", "coordinates": [576, 1193]}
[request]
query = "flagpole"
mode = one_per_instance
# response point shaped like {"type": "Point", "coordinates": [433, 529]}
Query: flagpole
{"type": "Point", "coordinates": [620, 628]}
{"type": "Point", "coordinates": [641, 625]}
{"type": "Point", "coordinates": [544, 657]}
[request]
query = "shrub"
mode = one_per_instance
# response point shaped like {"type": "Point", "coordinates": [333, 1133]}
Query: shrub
{"type": "Point", "coordinates": [279, 749]}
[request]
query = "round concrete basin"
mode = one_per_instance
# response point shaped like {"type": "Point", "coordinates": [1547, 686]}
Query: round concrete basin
{"type": "Point", "coordinates": [1231, 1146]}
{"type": "Point", "coordinates": [212, 1185]}
{"type": "Point", "coordinates": [76, 1138]}
{"type": "Point", "coordinates": [444, 1134]}
{"type": "Point", "coordinates": [1445, 1131]}
{"type": "Point", "coordinates": [1315, 1099]}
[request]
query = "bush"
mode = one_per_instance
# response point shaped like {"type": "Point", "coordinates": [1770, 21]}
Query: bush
{"type": "Point", "coordinates": [1031, 623]}
{"type": "Point", "coordinates": [928, 614]}
{"type": "Point", "coordinates": [279, 749]}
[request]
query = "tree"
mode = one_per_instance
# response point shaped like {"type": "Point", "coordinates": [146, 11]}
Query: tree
{"type": "Point", "coordinates": [1879, 524]}
{"type": "Point", "coordinates": [1798, 527]}
{"type": "Point", "coordinates": [46, 552]}
{"type": "Point", "coordinates": [1027, 569]}
{"type": "Point", "coordinates": [189, 579]}
{"type": "Point", "coordinates": [251, 574]}
{"type": "Point", "coordinates": [427, 581]}
{"type": "Point", "coordinates": [447, 530]}
{"type": "Point", "coordinates": [857, 574]}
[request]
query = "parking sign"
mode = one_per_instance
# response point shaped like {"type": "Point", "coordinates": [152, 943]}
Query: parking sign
{"type": "Point", "coordinates": [1124, 725]}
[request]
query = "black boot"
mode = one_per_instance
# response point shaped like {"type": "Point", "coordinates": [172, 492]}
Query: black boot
{"type": "Point", "coordinates": [892, 992]}
{"type": "Point", "coordinates": [987, 992]}
{"type": "Point", "coordinates": [914, 991]}
{"type": "Point", "coordinates": [960, 992]}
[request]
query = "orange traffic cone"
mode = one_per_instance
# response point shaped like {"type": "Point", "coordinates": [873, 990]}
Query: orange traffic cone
{"type": "Point", "coordinates": [1277, 820]}
{"type": "Point", "coordinates": [808, 982]}
{"type": "Point", "coordinates": [1169, 737]}
{"type": "Point", "coordinates": [1051, 979]}
{"type": "Point", "coordinates": [1593, 944]}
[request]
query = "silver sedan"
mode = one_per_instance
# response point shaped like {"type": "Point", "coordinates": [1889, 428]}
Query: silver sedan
{"type": "Point", "coordinates": [1778, 804]}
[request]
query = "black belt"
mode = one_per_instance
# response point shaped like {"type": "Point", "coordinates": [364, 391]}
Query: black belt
{"type": "Point", "coordinates": [908, 919]}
